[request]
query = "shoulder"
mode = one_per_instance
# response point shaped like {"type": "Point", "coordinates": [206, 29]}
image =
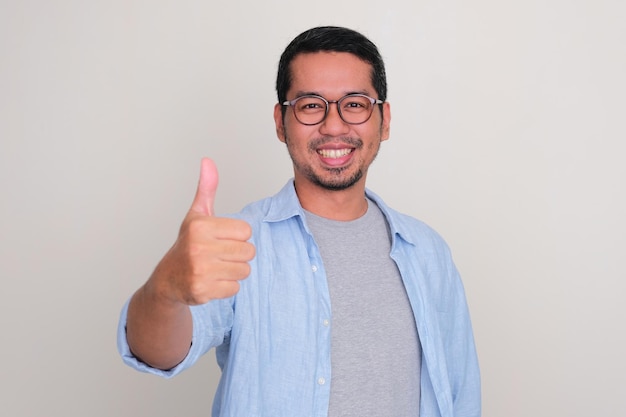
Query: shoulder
{"type": "Point", "coordinates": [281, 206]}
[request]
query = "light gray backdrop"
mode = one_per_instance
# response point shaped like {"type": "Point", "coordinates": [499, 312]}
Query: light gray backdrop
{"type": "Point", "coordinates": [507, 137]}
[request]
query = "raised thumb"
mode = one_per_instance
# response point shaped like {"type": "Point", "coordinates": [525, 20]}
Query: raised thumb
{"type": "Point", "coordinates": [207, 186]}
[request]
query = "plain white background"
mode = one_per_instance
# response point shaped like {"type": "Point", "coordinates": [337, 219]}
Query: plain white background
{"type": "Point", "coordinates": [507, 137]}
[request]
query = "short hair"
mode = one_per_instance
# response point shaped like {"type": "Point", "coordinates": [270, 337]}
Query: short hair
{"type": "Point", "coordinates": [335, 39]}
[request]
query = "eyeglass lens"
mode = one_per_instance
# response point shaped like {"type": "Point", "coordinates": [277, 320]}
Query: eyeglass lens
{"type": "Point", "coordinates": [353, 109]}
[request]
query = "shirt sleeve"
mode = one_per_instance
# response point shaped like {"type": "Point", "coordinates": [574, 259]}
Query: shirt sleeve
{"type": "Point", "coordinates": [211, 327]}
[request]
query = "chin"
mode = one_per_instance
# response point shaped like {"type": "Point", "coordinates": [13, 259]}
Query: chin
{"type": "Point", "coordinates": [338, 184]}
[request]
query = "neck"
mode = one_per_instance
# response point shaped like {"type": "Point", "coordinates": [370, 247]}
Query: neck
{"type": "Point", "coordinates": [343, 205]}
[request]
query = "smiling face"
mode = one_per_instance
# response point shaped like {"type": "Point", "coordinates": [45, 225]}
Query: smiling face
{"type": "Point", "coordinates": [333, 154]}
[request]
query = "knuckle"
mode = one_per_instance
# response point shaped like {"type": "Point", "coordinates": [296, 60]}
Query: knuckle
{"type": "Point", "coordinates": [194, 249]}
{"type": "Point", "coordinates": [245, 270]}
{"type": "Point", "coordinates": [195, 289]}
{"type": "Point", "coordinates": [241, 270]}
{"type": "Point", "coordinates": [246, 231]}
{"type": "Point", "coordinates": [196, 226]}
{"type": "Point", "coordinates": [250, 251]}
{"type": "Point", "coordinates": [241, 229]}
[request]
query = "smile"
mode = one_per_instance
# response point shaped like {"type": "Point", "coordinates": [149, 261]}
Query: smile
{"type": "Point", "coordinates": [334, 153]}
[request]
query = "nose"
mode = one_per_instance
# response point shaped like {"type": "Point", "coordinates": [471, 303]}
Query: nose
{"type": "Point", "coordinates": [333, 124]}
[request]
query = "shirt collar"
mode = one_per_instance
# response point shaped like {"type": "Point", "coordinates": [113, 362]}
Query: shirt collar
{"type": "Point", "coordinates": [285, 204]}
{"type": "Point", "coordinates": [398, 223]}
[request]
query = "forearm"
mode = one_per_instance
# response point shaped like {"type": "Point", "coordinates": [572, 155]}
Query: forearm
{"type": "Point", "coordinates": [158, 330]}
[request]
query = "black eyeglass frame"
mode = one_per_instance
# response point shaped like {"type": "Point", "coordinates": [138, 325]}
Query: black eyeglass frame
{"type": "Point", "coordinates": [372, 100]}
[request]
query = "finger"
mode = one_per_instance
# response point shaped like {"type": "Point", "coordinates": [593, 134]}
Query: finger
{"type": "Point", "coordinates": [234, 251]}
{"type": "Point", "coordinates": [207, 187]}
{"type": "Point", "coordinates": [229, 229]}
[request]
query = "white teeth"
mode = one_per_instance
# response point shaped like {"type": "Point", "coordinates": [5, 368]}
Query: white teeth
{"type": "Point", "coordinates": [334, 153]}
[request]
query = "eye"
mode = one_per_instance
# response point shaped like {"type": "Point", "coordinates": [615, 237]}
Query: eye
{"type": "Point", "coordinates": [355, 104]}
{"type": "Point", "coordinates": [310, 104]}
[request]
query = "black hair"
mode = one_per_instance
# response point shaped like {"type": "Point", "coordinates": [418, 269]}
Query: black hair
{"type": "Point", "coordinates": [335, 39]}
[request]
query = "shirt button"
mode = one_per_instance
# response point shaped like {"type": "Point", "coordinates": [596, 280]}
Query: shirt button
{"type": "Point", "coordinates": [326, 322]}
{"type": "Point", "coordinates": [314, 268]}
{"type": "Point", "coordinates": [321, 381]}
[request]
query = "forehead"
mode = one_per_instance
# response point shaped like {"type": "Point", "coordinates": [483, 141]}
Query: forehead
{"type": "Point", "coordinates": [330, 74]}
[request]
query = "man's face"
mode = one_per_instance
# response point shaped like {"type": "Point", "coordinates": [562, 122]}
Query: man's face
{"type": "Point", "coordinates": [333, 154]}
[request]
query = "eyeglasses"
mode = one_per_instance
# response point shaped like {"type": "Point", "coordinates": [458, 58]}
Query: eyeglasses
{"type": "Point", "coordinates": [353, 109]}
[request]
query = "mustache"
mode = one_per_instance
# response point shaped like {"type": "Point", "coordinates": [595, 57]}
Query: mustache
{"type": "Point", "coordinates": [321, 141]}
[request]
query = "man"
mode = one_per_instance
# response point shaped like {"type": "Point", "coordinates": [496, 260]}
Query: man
{"type": "Point", "coordinates": [349, 308]}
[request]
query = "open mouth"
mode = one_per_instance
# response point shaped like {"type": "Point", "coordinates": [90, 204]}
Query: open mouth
{"type": "Point", "coordinates": [334, 153]}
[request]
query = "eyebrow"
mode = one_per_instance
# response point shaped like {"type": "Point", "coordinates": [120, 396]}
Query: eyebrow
{"type": "Point", "coordinates": [316, 93]}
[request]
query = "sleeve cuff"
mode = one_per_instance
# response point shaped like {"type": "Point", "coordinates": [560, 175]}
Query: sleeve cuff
{"type": "Point", "coordinates": [132, 361]}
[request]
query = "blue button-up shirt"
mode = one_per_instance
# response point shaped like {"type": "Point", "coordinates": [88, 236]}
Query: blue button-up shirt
{"type": "Point", "coordinates": [273, 338]}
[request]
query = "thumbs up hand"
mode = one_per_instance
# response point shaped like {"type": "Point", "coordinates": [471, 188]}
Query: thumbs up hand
{"type": "Point", "coordinates": [210, 255]}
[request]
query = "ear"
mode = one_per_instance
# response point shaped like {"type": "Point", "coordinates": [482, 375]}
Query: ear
{"type": "Point", "coordinates": [279, 122]}
{"type": "Point", "coordinates": [386, 123]}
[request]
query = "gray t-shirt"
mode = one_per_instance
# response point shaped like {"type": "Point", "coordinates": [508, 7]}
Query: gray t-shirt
{"type": "Point", "coordinates": [375, 349]}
